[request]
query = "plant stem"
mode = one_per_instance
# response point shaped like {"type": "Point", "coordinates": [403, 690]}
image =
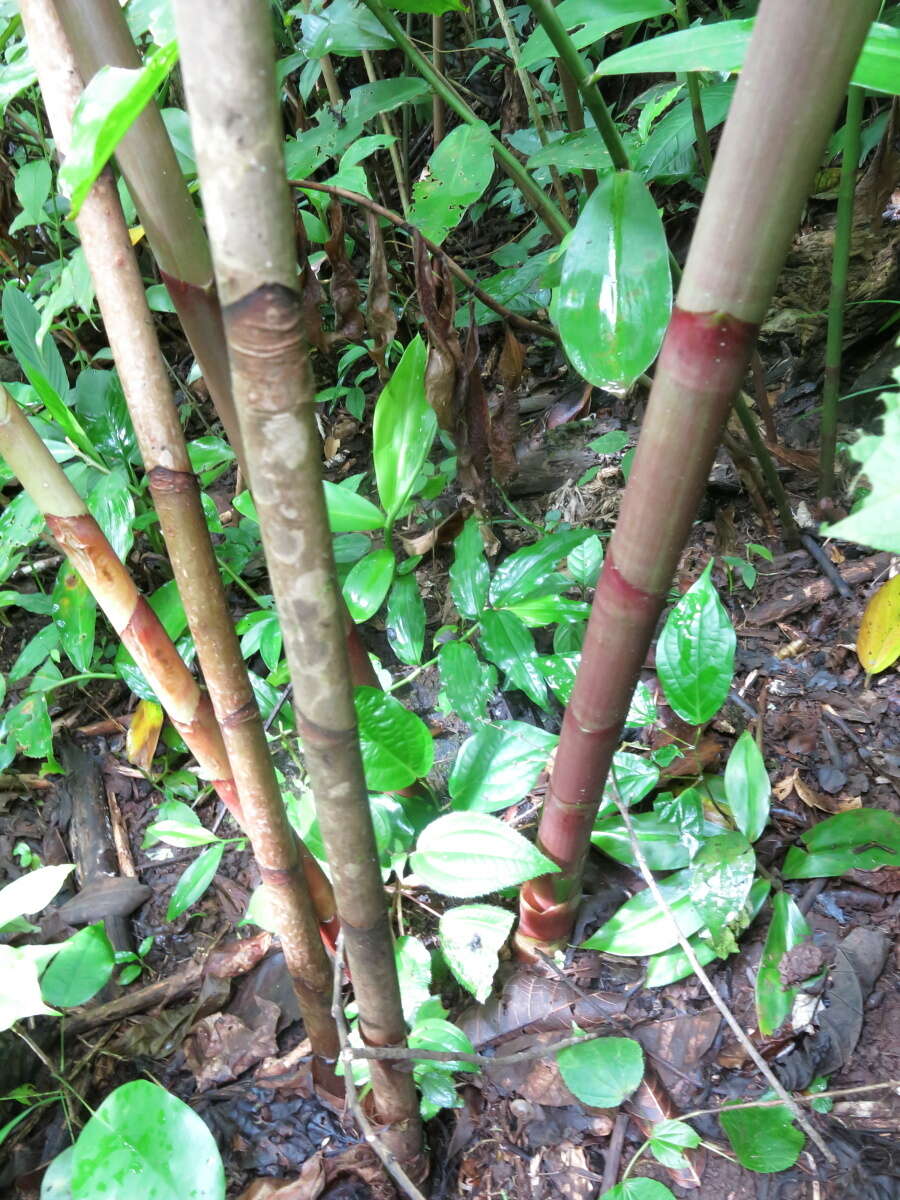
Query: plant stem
{"type": "Point", "coordinates": [768, 468]}
{"type": "Point", "coordinates": [372, 76]}
{"type": "Point", "coordinates": [840, 268]}
{"type": "Point", "coordinates": [575, 112]}
{"type": "Point", "coordinates": [541, 204]}
{"type": "Point", "coordinates": [693, 86]}
{"type": "Point", "coordinates": [228, 66]}
{"type": "Point", "coordinates": [798, 64]}
{"type": "Point", "coordinates": [437, 61]}
{"type": "Point", "coordinates": [569, 56]}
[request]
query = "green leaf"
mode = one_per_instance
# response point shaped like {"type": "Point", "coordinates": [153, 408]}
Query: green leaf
{"type": "Point", "coordinates": [469, 575]}
{"type": "Point", "coordinates": [343, 28]}
{"type": "Point", "coordinates": [32, 191]}
{"type": "Point", "coordinates": [80, 969]}
{"type": "Point", "coordinates": [106, 110]}
{"type": "Point", "coordinates": [878, 66]}
{"type": "Point", "coordinates": [406, 619]}
{"type": "Point", "coordinates": [367, 583]}
{"type": "Point", "coordinates": [747, 787]}
{"type": "Point", "coordinates": [642, 710]}
{"type": "Point", "coordinates": [414, 973]}
{"type": "Point", "coordinates": [143, 1140]}
{"type": "Point", "coordinates": [583, 150]}
{"type": "Point", "coordinates": [667, 151]}
{"type": "Point", "coordinates": [457, 174]}
{"type": "Point", "coordinates": [436, 1034]}
{"type": "Point", "coordinates": [538, 611]}
{"type": "Point", "coordinates": [532, 570]}
{"type": "Point", "coordinates": [35, 652]}
{"type": "Point", "coordinates": [668, 1140]}
{"type": "Point", "coordinates": [787, 929]}
{"type": "Point", "coordinates": [631, 778]}
{"type": "Point", "coordinates": [639, 1189]}
{"type": "Point", "coordinates": [471, 937]}
{"type": "Point", "coordinates": [641, 927]}
{"type": "Point", "coordinates": [403, 430]}
{"type": "Point", "coordinates": [396, 746]}
{"type": "Point", "coordinates": [499, 765]}
{"type": "Point", "coordinates": [695, 653]}
{"type": "Point", "coordinates": [112, 506]}
{"type": "Point", "coordinates": [718, 47]}
{"type": "Point", "coordinates": [261, 631]}
{"type": "Point", "coordinates": [602, 1072]}
{"type": "Point", "coordinates": [669, 836]}
{"type": "Point", "coordinates": [615, 294]}
{"type": "Point", "coordinates": [31, 892]}
{"type": "Point", "coordinates": [349, 512]}
{"type": "Point", "coordinates": [876, 522]}
{"type": "Point", "coordinates": [864, 838]}
{"type": "Point", "coordinates": [589, 21]}
{"type": "Point", "coordinates": [27, 726]}
{"type": "Point", "coordinates": [195, 880]}
{"type": "Point", "coordinates": [20, 995]}
{"type": "Point", "coordinates": [673, 964]}
{"type": "Point", "coordinates": [428, 6]}
{"type": "Point", "coordinates": [764, 1139]}
{"type": "Point", "coordinates": [721, 875]}
{"type": "Point", "coordinates": [177, 824]}
{"type": "Point", "coordinates": [509, 645]}
{"type": "Point", "coordinates": [102, 410]}
{"type": "Point", "coordinates": [75, 616]}
{"type": "Point", "coordinates": [559, 671]}
{"type": "Point", "coordinates": [585, 560]}
{"type": "Point", "coordinates": [57, 1181]}
{"type": "Point", "coordinates": [469, 854]}
{"type": "Point", "coordinates": [467, 682]}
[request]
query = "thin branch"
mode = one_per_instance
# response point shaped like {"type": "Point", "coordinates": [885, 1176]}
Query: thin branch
{"type": "Point", "coordinates": [483, 1061]}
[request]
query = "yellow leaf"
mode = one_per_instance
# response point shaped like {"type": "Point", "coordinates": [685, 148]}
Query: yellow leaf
{"type": "Point", "coordinates": [878, 641]}
{"type": "Point", "coordinates": [136, 232]}
{"type": "Point", "coordinates": [143, 734]}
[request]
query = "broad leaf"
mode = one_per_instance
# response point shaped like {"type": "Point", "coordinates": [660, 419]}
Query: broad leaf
{"type": "Point", "coordinates": [112, 506]}
{"type": "Point", "coordinates": [414, 973]}
{"type": "Point", "coordinates": [367, 583]}
{"type": "Point", "coordinates": [20, 996]}
{"type": "Point", "coordinates": [471, 937]}
{"type": "Point", "coordinates": [615, 295]}
{"type": "Point", "coordinates": [144, 1140]}
{"type": "Point", "coordinates": [80, 969]}
{"type": "Point", "coordinates": [667, 151]}
{"type": "Point", "coordinates": [537, 611]}
{"type": "Point", "coordinates": [177, 824]}
{"type": "Point", "coordinates": [718, 47]}
{"type": "Point", "coordinates": [345, 28]}
{"type": "Point", "coordinates": [747, 787]}
{"type": "Point", "coordinates": [602, 1072]}
{"type": "Point", "coordinates": [106, 110]}
{"type": "Point", "coordinates": [31, 892]}
{"type": "Point", "coordinates": [631, 778]}
{"type": "Point", "coordinates": [878, 66]}
{"type": "Point", "coordinates": [695, 653]}
{"type": "Point", "coordinates": [532, 570]}
{"type": "Point", "coordinates": [863, 838]}
{"type": "Point", "coordinates": [559, 671]}
{"type": "Point", "coordinates": [75, 616]}
{"type": "Point", "coordinates": [467, 682]}
{"type": "Point", "coordinates": [787, 929]}
{"type": "Point", "coordinates": [402, 430]}
{"type": "Point", "coordinates": [428, 6]}
{"type": "Point", "coordinates": [195, 880]}
{"type": "Point", "coordinates": [721, 875]}
{"type": "Point", "coordinates": [406, 619]}
{"type": "Point", "coordinates": [764, 1139]}
{"type": "Point", "coordinates": [585, 560]}
{"type": "Point", "coordinates": [469, 854]}
{"type": "Point", "coordinates": [396, 746]}
{"type": "Point", "coordinates": [349, 512]}
{"type": "Point", "coordinates": [590, 21]}
{"type": "Point", "coordinates": [878, 640]}
{"type": "Point", "coordinates": [641, 927]}
{"type": "Point", "coordinates": [509, 645]}
{"type": "Point", "coordinates": [499, 765]}
{"type": "Point", "coordinates": [876, 522]}
{"type": "Point", "coordinates": [457, 174]}
{"type": "Point", "coordinates": [639, 1189]}
{"type": "Point", "coordinates": [469, 575]}
{"type": "Point", "coordinates": [669, 836]}
{"type": "Point", "coordinates": [27, 726]}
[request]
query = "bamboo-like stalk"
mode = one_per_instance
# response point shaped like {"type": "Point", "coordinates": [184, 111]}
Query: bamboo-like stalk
{"type": "Point", "coordinates": [799, 62]}
{"type": "Point", "coordinates": [99, 35]}
{"type": "Point", "coordinates": [540, 204]}
{"type": "Point", "coordinates": [176, 495]}
{"type": "Point", "coordinates": [229, 73]}
{"type": "Point", "coordinates": [840, 270]}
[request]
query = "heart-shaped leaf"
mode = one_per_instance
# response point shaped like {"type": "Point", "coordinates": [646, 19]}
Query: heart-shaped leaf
{"type": "Point", "coordinates": [602, 1072]}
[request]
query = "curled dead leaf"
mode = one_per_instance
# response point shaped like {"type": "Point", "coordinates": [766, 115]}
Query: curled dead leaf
{"type": "Point", "coordinates": [878, 641]}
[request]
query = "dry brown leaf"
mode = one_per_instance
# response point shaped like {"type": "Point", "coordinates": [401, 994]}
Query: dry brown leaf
{"type": "Point", "coordinates": [824, 803]}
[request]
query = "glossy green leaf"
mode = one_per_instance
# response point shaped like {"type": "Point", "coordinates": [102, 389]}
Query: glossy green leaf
{"type": "Point", "coordinates": [585, 560]}
{"type": "Point", "coordinates": [467, 682]}
{"type": "Point", "coordinates": [673, 964]}
{"type": "Point", "coordinates": [32, 186]}
{"type": "Point", "coordinates": [669, 835]}
{"type": "Point", "coordinates": [615, 294]}
{"type": "Point", "coordinates": [602, 1072]}
{"type": "Point", "coordinates": [349, 512]}
{"type": "Point", "coordinates": [396, 746]}
{"type": "Point", "coordinates": [428, 6]}
{"type": "Point", "coordinates": [641, 927]}
{"type": "Point", "coordinates": [469, 854]}
{"type": "Point", "coordinates": [261, 633]}
{"type": "Point", "coordinates": [747, 787]}
{"type": "Point", "coordinates": [499, 765]}
{"type": "Point", "coordinates": [143, 1140]}
{"type": "Point", "coordinates": [367, 583]}
{"type": "Point", "coordinates": [589, 21]}
{"type": "Point", "coordinates": [876, 521]}
{"type": "Point", "coordinates": [75, 616]}
{"type": "Point", "coordinates": [100, 404]}
{"type": "Point", "coordinates": [695, 653]}
{"type": "Point", "coordinates": [31, 892]}
{"type": "Point", "coordinates": [863, 838]}
{"type": "Point", "coordinates": [721, 874]}
{"type": "Point", "coordinates": [548, 610]}
{"type": "Point", "coordinates": [559, 671]}
{"type": "Point", "coordinates": [106, 110]}
{"type": "Point", "coordinates": [469, 575]}
{"type": "Point", "coordinates": [413, 961]}
{"type": "Point", "coordinates": [787, 929]}
{"type": "Point", "coordinates": [471, 937]}
{"type": "Point", "coordinates": [669, 1140]}
{"type": "Point", "coordinates": [639, 1189]}
{"type": "Point", "coordinates": [57, 1181]}
{"type": "Point", "coordinates": [583, 150]}
{"type": "Point", "coordinates": [406, 619]}
{"type": "Point", "coordinates": [435, 1079]}
{"type": "Point", "coordinates": [402, 430]}
{"type": "Point", "coordinates": [112, 506]}
{"type": "Point", "coordinates": [456, 176]}
{"type": "Point", "coordinates": [509, 645]}
{"type": "Point", "coordinates": [20, 996]}
{"type": "Point", "coordinates": [27, 727]}
{"type": "Point", "coordinates": [195, 880]}
{"type": "Point", "coordinates": [80, 969]}
{"type": "Point", "coordinates": [878, 66]}
{"type": "Point", "coordinates": [532, 570]}
{"type": "Point", "coordinates": [345, 28]}
{"type": "Point", "coordinates": [642, 710]}
{"type": "Point", "coordinates": [718, 47]}
{"type": "Point", "coordinates": [667, 151]}
{"type": "Point", "coordinates": [177, 824]}
{"type": "Point", "coordinates": [631, 778]}
{"type": "Point", "coordinates": [764, 1139]}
